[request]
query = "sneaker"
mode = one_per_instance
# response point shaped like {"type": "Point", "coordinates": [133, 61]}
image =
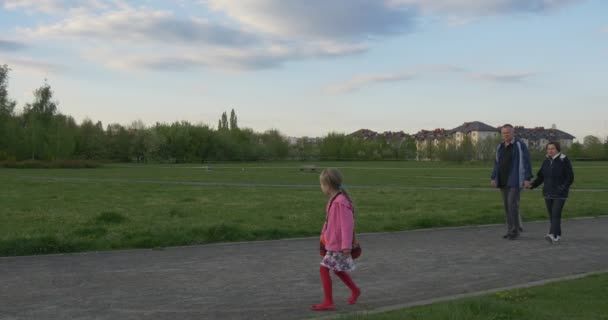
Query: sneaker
{"type": "Point", "coordinates": [513, 236]}
{"type": "Point", "coordinates": [549, 237]}
{"type": "Point", "coordinates": [557, 239]}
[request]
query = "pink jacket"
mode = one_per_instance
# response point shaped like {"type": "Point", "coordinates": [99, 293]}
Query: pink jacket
{"type": "Point", "coordinates": [338, 230]}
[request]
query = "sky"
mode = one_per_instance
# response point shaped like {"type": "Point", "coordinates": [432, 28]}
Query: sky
{"type": "Point", "coordinates": [312, 67]}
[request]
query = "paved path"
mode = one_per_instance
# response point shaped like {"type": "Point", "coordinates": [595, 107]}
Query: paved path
{"type": "Point", "coordinates": [279, 279]}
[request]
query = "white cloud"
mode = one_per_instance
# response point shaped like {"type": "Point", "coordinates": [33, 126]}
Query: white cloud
{"type": "Point", "coordinates": [142, 25]}
{"type": "Point", "coordinates": [253, 34]}
{"type": "Point", "coordinates": [361, 81]}
{"type": "Point", "coordinates": [503, 77]}
{"type": "Point", "coordinates": [481, 8]}
{"type": "Point", "coordinates": [9, 45]}
{"type": "Point", "coordinates": [318, 19]}
{"type": "Point", "coordinates": [158, 40]}
{"type": "Point", "coordinates": [56, 6]}
{"type": "Point", "coordinates": [31, 65]}
{"type": "Point", "coordinates": [219, 58]}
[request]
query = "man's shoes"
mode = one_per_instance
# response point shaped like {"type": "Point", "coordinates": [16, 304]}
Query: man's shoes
{"type": "Point", "coordinates": [549, 237]}
{"type": "Point", "coordinates": [556, 239]}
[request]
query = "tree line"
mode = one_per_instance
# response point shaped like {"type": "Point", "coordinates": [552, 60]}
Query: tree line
{"type": "Point", "coordinates": [41, 132]}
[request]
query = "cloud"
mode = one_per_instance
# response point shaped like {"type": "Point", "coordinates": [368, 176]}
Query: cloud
{"type": "Point", "coordinates": [503, 77]}
{"type": "Point", "coordinates": [36, 66]}
{"type": "Point", "coordinates": [219, 58]}
{"type": "Point", "coordinates": [7, 45]}
{"type": "Point", "coordinates": [143, 25]}
{"type": "Point", "coordinates": [362, 81]}
{"type": "Point", "coordinates": [242, 35]}
{"type": "Point", "coordinates": [55, 6]}
{"type": "Point", "coordinates": [441, 68]}
{"type": "Point", "coordinates": [318, 19]}
{"type": "Point", "coordinates": [158, 40]}
{"type": "Point", "coordinates": [482, 8]}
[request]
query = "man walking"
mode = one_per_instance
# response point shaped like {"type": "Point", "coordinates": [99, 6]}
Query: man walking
{"type": "Point", "coordinates": [512, 172]}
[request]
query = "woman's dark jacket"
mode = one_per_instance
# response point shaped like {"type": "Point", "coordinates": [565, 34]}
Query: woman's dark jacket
{"type": "Point", "coordinates": [557, 175]}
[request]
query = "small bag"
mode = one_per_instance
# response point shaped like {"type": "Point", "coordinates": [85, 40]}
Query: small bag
{"type": "Point", "coordinates": [355, 251]}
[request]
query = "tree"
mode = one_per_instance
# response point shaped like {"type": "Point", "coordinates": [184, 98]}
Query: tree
{"type": "Point", "coordinates": [486, 148]}
{"type": "Point", "coordinates": [38, 116]}
{"type": "Point", "coordinates": [7, 106]}
{"type": "Point", "coordinates": [575, 151]}
{"type": "Point", "coordinates": [275, 145]}
{"type": "Point", "coordinates": [223, 124]}
{"type": "Point", "coordinates": [8, 123]}
{"type": "Point", "coordinates": [63, 132]}
{"type": "Point", "coordinates": [90, 141]}
{"type": "Point", "coordinates": [467, 149]}
{"type": "Point", "coordinates": [43, 104]}
{"type": "Point", "coordinates": [118, 143]}
{"type": "Point", "coordinates": [233, 121]}
{"type": "Point", "coordinates": [593, 148]}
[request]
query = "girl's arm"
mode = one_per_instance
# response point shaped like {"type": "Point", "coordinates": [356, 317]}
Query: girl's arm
{"type": "Point", "coordinates": [347, 224]}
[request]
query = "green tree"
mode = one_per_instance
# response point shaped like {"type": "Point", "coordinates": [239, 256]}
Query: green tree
{"type": "Point", "coordinates": [118, 142]}
{"type": "Point", "coordinates": [8, 123]}
{"type": "Point", "coordinates": [63, 133]}
{"type": "Point", "coordinates": [38, 116]}
{"type": "Point", "coordinates": [90, 141]}
{"type": "Point", "coordinates": [223, 123]}
{"type": "Point", "coordinates": [7, 106]}
{"type": "Point", "coordinates": [275, 145]}
{"type": "Point", "coordinates": [467, 149]}
{"type": "Point", "coordinates": [486, 148]}
{"type": "Point", "coordinates": [233, 120]}
{"type": "Point", "coordinates": [576, 151]}
{"type": "Point", "coordinates": [593, 148]}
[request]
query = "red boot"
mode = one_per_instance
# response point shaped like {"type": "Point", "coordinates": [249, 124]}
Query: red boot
{"type": "Point", "coordinates": [328, 301]}
{"type": "Point", "coordinates": [348, 281]}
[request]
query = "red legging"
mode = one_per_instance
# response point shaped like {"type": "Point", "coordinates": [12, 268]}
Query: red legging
{"type": "Point", "coordinates": [327, 287]}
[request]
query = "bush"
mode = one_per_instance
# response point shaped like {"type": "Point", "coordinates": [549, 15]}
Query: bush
{"type": "Point", "coordinates": [63, 164]}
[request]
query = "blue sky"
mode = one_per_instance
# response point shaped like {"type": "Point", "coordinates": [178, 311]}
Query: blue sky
{"type": "Point", "coordinates": [313, 67]}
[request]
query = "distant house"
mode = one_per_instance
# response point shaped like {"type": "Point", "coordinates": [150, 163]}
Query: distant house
{"type": "Point", "coordinates": [535, 138]}
{"type": "Point", "coordinates": [476, 130]}
{"type": "Point", "coordinates": [434, 137]}
{"type": "Point", "coordinates": [367, 134]}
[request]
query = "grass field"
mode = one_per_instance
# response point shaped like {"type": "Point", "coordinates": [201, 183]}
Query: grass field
{"type": "Point", "coordinates": [580, 299]}
{"type": "Point", "coordinates": [142, 206]}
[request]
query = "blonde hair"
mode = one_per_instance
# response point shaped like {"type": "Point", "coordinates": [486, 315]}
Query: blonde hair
{"type": "Point", "coordinates": [333, 178]}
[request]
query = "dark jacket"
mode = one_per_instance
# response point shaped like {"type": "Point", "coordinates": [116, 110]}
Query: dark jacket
{"type": "Point", "coordinates": [557, 176]}
{"type": "Point", "coordinates": [521, 169]}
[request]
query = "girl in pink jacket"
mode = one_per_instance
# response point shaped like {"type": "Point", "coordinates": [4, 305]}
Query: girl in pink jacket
{"type": "Point", "coordinates": [337, 235]}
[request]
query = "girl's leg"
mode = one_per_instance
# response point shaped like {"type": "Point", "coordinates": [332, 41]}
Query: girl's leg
{"type": "Point", "coordinates": [328, 301]}
{"type": "Point", "coordinates": [348, 281]}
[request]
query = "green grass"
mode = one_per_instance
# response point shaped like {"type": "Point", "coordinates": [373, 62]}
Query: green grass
{"type": "Point", "coordinates": [580, 299]}
{"type": "Point", "coordinates": [39, 214]}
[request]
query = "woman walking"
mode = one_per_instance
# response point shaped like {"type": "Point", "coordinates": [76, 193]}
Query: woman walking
{"type": "Point", "coordinates": [557, 175]}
